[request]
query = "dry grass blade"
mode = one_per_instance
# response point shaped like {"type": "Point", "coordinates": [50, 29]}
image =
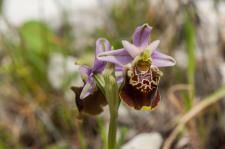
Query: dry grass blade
{"type": "Point", "coordinates": [173, 98]}
{"type": "Point", "coordinates": [197, 109]}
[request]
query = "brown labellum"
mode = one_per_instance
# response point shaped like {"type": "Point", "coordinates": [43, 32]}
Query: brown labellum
{"type": "Point", "coordinates": [93, 104]}
{"type": "Point", "coordinates": [140, 89]}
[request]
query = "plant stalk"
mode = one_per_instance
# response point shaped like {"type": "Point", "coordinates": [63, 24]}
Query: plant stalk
{"type": "Point", "coordinates": [112, 130]}
{"type": "Point", "coordinates": [112, 96]}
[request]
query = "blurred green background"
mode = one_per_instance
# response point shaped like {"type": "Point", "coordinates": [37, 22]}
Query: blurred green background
{"type": "Point", "coordinates": [41, 39]}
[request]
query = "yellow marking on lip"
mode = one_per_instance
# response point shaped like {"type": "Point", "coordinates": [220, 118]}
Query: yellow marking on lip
{"type": "Point", "coordinates": [146, 108]}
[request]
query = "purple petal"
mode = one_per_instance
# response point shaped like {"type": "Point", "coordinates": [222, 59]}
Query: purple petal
{"type": "Point", "coordinates": [153, 46]}
{"type": "Point", "coordinates": [162, 60]}
{"type": "Point", "coordinates": [88, 88]}
{"type": "Point", "coordinates": [119, 74]}
{"type": "Point", "coordinates": [141, 36]}
{"type": "Point", "coordinates": [131, 49]}
{"type": "Point", "coordinates": [84, 71]}
{"type": "Point", "coordinates": [101, 46]}
{"type": "Point", "coordinates": [98, 66]}
{"type": "Point", "coordinates": [120, 57]}
{"type": "Point", "coordinates": [119, 69]}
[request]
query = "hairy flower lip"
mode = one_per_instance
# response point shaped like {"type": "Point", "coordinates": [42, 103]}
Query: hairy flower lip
{"type": "Point", "coordinates": [138, 92]}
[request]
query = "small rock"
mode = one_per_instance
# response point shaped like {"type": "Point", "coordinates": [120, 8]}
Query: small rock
{"type": "Point", "coordinates": [152, 140]}
{"type": "Point", "coordinates": [183, 143]}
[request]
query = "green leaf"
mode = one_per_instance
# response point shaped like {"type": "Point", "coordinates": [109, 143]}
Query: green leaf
{"type": "Point", "coordinates": [58, 146]}
{"type": "Point", "coordinates": [36, 36]}
{"type": "Point", "coordinates": [3, 145]}
{"type": "Point", "coordinates": [121, 140]}
{"type": "Point", "coordinates": [1, 4]}
{"type": "Point", "coordinates": [189, 30]}
{"type": "Point", "coordinates": [102, 132]}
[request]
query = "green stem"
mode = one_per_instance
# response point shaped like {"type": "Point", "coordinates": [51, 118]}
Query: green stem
{"type": "Point", "coordinates": [113, 107]}
{"type": "Point", "coordinates": [190, 39]}
{"type": "Point", "coordinates": [102, 131]}
{"type": "Point", "coordinates": [112, 96]}
{"type": "Point", "coordinates": [112, 130]}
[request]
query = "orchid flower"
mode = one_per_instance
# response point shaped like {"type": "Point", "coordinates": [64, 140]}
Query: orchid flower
{"type": "Point", "coordinates": [88, 73]}
{"type": "Point", "coordinates": [89, 95]}
{"type": "Point", "coordinates": [140, 89]}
